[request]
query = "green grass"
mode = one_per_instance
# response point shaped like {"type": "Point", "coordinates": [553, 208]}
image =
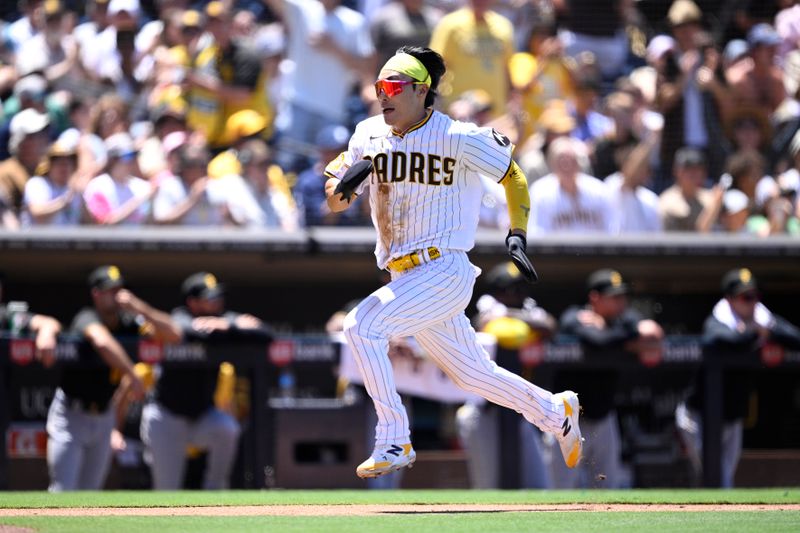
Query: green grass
{"type": "Point", "coordinates": [333, 497]}
{"type": "Point", "coordinates": [433, 522]}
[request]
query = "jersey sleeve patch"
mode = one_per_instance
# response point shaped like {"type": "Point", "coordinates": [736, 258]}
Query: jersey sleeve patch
{"type": "Point", "coordinates": [500, 139]}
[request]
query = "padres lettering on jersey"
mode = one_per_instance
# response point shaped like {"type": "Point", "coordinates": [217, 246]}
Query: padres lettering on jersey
{"type": "Point", "coordinates": [425, 189]}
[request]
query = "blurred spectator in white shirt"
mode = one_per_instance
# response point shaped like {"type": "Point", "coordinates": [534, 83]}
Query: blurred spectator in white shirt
{"type": "Point", "coordinates": [53, 197]}
{"type": "Point", "coordinates": [568, 200]}
{"type": "Point", "coordinates": [253, 203]}
{"type": "Point", "coordinates": [189, 197]}
{"type": "Point", "coordinates": [118, 197]}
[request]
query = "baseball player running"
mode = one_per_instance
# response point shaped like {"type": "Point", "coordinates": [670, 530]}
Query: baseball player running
{"type": "Point", "coordinates": [425, 195]}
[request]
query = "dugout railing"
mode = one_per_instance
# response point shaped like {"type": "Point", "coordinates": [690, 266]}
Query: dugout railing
{"type": "Point", "coordinates": [26, 387]}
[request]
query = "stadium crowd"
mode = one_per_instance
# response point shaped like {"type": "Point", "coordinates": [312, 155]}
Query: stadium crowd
{"type": "Point", "coordinates": [627, 116]}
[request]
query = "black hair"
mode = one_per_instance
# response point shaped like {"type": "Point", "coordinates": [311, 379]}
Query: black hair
{"type": "Point", "coordinates": [433, 63]}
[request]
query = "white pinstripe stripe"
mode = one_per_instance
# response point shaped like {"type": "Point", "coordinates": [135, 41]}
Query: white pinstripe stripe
{"type": "Point", "coordinates": [466, 361]}
{"type": "Point", "coordinates": [428, 302]}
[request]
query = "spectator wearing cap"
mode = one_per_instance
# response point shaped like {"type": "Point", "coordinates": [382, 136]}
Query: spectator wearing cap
{"type": "Point", "coordinates": [734, 53]}
{"type": "Point", "coordinates": [759, 82]}
{"type": "Point", "coordinates": [168, 151]}
{"type": "Point", "coordinates": [226, 77]}
{"type": "Point", "coordinates": [240, 128]}
{"type": "Point", "coordinates": [167, 119]}
{"type": "Point", "coordinates": [28, 143]}
{"type": "Point", "coordinates": [53, 196]}
{"type": "Point", "coordinates": [30, 92]}
{"type": "Point", "coordinates": [567, 200]}
{"type": "Point", "coordinates": [81, 416]}
{"type": "Point", "coordinates": [686, 205]}
{"type": "Point", "coordinates": [54, 50]}
{"type": "Point", "coordinates": [608, 325]}
{"type": "Point", "coordinates": [645, 77]}
{"type": "Point", "coordinates": [734, 212]}
{"type": "Point", "coordinates": [590, 124]}
{"type": "Point", "coordinates": [738, 324]}
{"type": "Point", "coordinates": [119, 57]}
{"type": "Point", "coordinates": [118, 197]}
{"type": "Point", "coordinates": [254, 199]}
{"type": "Point", "coordinates": [309, 191]}
{"type": "Point", "coordinates": [189, 197]}
{"type": "Point", "coordinates": [749, 129]}
{"type": "Point", "coordinates": [691, 93]}
{"type": "Point", "coordinates": [508, 313]}
{"type": "Point", "coordinates": [328, 51]}
{"type": "Point", "coordinates": [182, 410]}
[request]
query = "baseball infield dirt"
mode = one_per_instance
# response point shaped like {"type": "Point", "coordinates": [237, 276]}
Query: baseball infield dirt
{"type": "Point", "coordinates": [367, 510]}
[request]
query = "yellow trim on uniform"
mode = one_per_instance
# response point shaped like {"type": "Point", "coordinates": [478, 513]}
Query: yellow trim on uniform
{"type": "Point", "coordinates": [517, 196]}
{"type": "Point", "coordinates": [414, 259]}
{"type": "Point", "coordinates": [416, 126]}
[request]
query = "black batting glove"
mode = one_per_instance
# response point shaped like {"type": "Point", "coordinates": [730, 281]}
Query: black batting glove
{"type": "Point", "coordinates": [517, 246]}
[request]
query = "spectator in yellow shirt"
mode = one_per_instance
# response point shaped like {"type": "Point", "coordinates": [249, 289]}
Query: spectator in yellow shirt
{"type": "Point", "coordinates": [477, 44]}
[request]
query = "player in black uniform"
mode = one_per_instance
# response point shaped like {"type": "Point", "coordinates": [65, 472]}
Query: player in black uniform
{"type": "Point", "coordinates": [81, 417]}
{"type": "Point", "coordinates": [182, 412]}
{"type": "Point", "coordinates": [606, 324]}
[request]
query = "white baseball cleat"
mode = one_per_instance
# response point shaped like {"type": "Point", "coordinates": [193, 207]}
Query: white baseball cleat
{"type": "Point", "coordinates": [386, 459]}
{"type": "Point", "coordinates": [570, 438]}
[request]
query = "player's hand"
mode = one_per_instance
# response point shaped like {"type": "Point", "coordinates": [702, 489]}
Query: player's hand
{"type": "Point", "coordinates": [591, 319]}
{"type": "Point", "coordinates": [352, 178]}
{"type": "Point", "coordinates": [207, 324]}
{"type": "Point", "coordinates": [46, 348]}
{"type": "Point", "coordinates": [118, 442]}
{"type": "Point", "coordinates": [247, 322]}
{"type": "Point", "coordinates": [517, 246]}
{"type": "Point", "coordinates": [127, 301]}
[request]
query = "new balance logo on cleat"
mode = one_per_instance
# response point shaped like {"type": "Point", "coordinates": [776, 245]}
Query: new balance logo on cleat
{"type": "Point", "coordinates": [386, 459]}
{"type": "Point", "coordinates": [570, 439]}
{"type": "Point", "coordinates": [395, 450]}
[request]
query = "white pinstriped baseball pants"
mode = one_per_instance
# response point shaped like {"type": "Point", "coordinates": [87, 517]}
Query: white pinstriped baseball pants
{"type": "Point", "coordinates": [428, 302]}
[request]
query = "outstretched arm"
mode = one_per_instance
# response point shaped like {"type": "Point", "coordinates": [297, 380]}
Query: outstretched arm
{"type": "Point", "coordinates": [517, 198]}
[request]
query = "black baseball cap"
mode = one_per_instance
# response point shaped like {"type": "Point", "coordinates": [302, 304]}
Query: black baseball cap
{"type": "Point", "coordinates": [202, 285]}
{"type": "Point", "coordinates": [106, 277]}
{"type": "Point", "coordinates": [504, 275]}
{"type": "Point", "coordinates": [607, 282]}
{"type": "Point", "coordinates": [737, 281]}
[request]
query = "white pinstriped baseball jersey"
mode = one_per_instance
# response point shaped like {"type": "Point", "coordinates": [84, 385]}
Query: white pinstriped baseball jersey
{"type": "Point", "coordinates": [425, 189]}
